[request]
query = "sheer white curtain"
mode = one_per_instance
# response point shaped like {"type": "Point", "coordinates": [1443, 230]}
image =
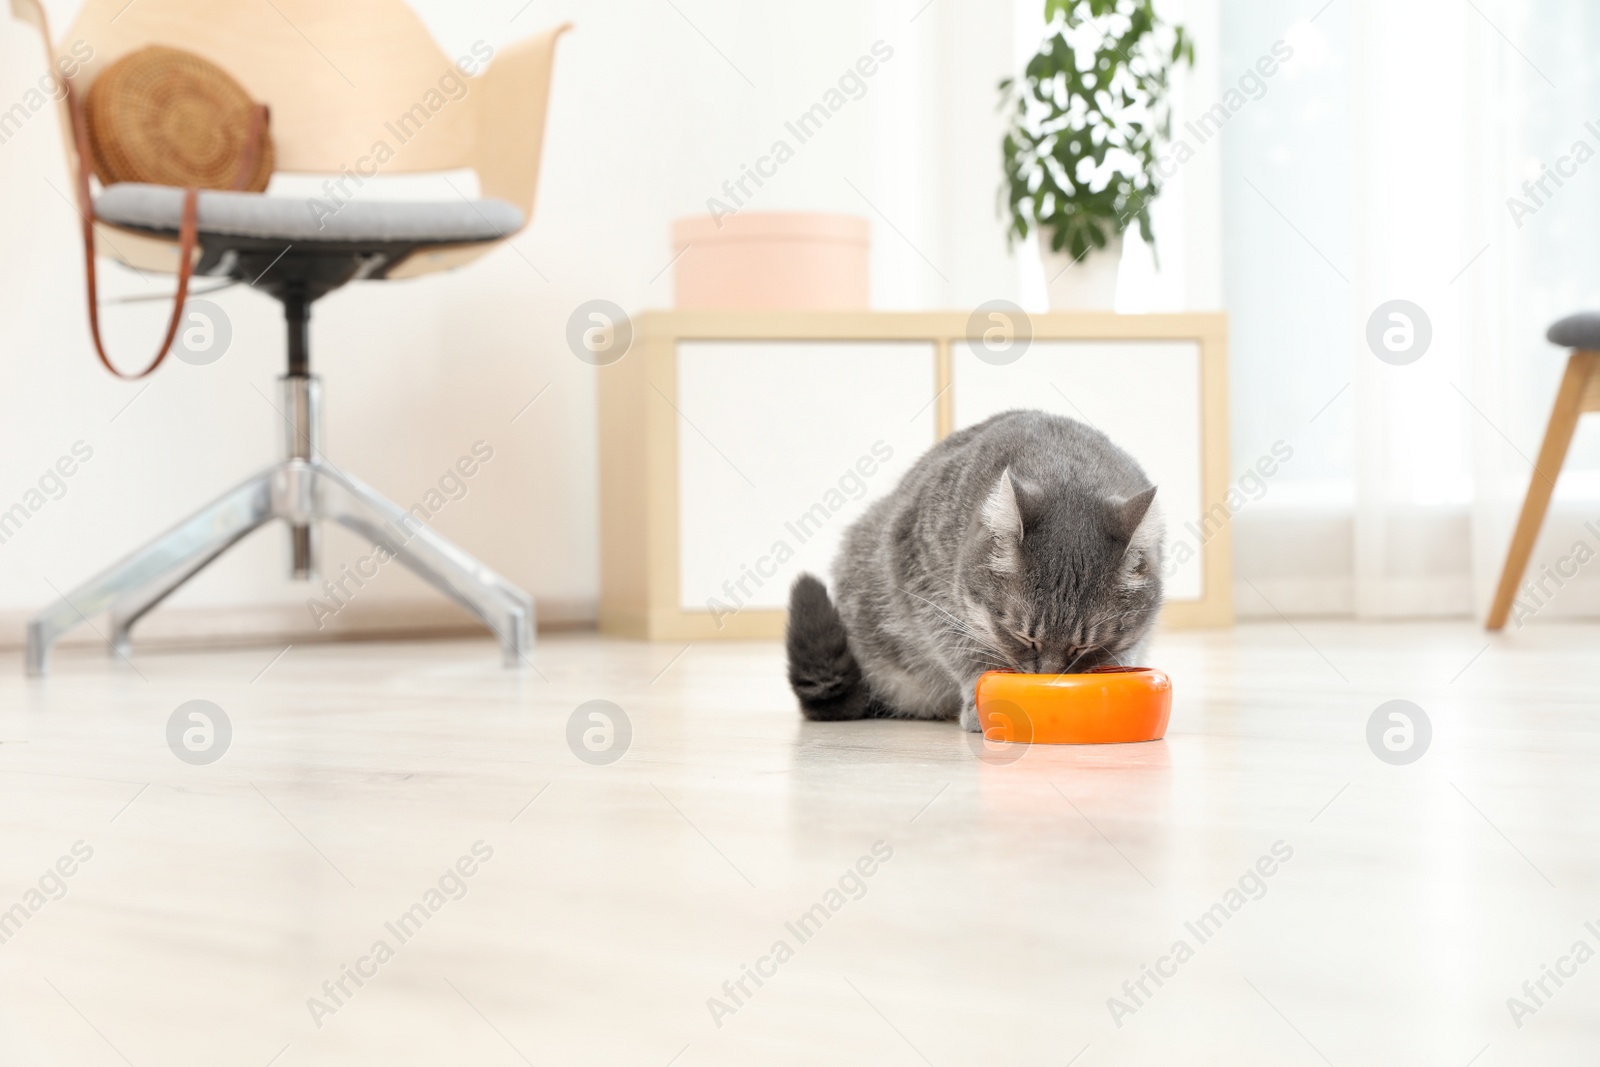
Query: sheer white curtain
{"type": "Point", "coordinates": [1373, 168]}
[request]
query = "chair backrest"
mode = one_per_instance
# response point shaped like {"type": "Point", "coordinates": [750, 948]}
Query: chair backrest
{"type": "Point", "coordinates": [340, 75]}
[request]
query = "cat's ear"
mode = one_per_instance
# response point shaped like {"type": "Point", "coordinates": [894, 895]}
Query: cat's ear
{"type": "Point", "coordinates": [1002, 517]}
{"type": "Point", "coordinates": [1128, 512]}
{"type": "Point", "coordinates": [1141, 529]}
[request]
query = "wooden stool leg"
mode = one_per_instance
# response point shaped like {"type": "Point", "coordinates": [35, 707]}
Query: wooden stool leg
{"type": "Point", "coordinates": [1570, 403]}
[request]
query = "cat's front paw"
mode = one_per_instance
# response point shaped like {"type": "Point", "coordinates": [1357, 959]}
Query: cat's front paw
{"type": "Point", "coordinates": [969, 717]}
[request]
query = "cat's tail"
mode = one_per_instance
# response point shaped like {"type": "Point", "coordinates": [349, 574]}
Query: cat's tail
{"type": "Point", "coordinates": [823, 672]}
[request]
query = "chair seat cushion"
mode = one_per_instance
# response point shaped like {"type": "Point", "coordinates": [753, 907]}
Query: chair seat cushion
{"type": "Point", "coordinates": [1577, 331]}
{"type": "Point", "coordinates": [160, 207]}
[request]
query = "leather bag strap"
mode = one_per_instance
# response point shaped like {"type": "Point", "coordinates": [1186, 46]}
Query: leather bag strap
{"type": "Point", "coordinates": [254, 141]}
{"type": "Point", "coordinates": [188, 228]}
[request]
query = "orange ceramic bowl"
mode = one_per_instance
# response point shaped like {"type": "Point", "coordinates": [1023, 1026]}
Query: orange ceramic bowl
{"type": "Point", "coordinates": [1105, 706]}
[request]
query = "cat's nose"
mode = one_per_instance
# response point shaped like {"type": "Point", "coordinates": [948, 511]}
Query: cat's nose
{"type": "Point", "coordinates": [1074, 658]}
{"type": "Point", "coordinates": [1057, 663]}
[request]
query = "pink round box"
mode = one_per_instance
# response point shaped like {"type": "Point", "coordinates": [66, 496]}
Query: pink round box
{"type": "Point", "coordinates": [772, 260]}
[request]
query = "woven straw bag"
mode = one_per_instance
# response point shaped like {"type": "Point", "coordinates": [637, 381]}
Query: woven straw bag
{"type": "Point", "coordinates": [166, 117]}
{"type": "Point", "coordinates": [169, 117]}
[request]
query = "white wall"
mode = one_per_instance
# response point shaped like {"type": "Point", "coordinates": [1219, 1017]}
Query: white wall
{"type": "Point", "coordinates": [647, 121]}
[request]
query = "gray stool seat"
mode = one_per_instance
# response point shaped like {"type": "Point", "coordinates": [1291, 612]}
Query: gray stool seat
{"type": "Point", "coordinates": [1577, 331]}
{"type": "Point", "coordinates": [159, 208]}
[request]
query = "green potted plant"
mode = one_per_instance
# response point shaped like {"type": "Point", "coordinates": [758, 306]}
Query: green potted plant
{"type": "Point", "coordinates": [1080, 151]}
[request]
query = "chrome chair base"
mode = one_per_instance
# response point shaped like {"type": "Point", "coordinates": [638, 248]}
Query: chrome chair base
{"type": "Point", "coordinates": [301, 491]}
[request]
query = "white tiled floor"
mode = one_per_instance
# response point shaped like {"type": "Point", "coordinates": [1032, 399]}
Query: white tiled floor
{"type": "Point", "coordinates": [1020, 896]}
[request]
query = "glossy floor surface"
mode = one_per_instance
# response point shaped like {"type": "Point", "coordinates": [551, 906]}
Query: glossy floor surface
{"type": "Point", "coordinates": [408, 855]}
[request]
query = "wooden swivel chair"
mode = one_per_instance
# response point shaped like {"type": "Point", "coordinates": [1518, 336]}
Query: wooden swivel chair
{"type": "Point", "coordinates": [341, 77]}
{"type": "Point", "coordinates": [1579, 393]}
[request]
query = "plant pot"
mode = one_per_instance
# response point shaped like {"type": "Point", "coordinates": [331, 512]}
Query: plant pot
{"type": "Point", "coordinates": [1090, 284]}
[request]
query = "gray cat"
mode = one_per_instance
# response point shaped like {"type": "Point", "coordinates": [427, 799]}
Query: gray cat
{"type": "Point", "coordinates": [1028, 542]}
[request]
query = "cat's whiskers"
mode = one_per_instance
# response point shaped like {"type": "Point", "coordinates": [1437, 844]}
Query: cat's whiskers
{"type": "Point", "coordinates": [976, 640]}
{"type": "Point", "coordinates": [977, 644]}
{"type": "Point", "coordinates": [964, 626]}
{"type": "Point", "coordinates": [990, 661]}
